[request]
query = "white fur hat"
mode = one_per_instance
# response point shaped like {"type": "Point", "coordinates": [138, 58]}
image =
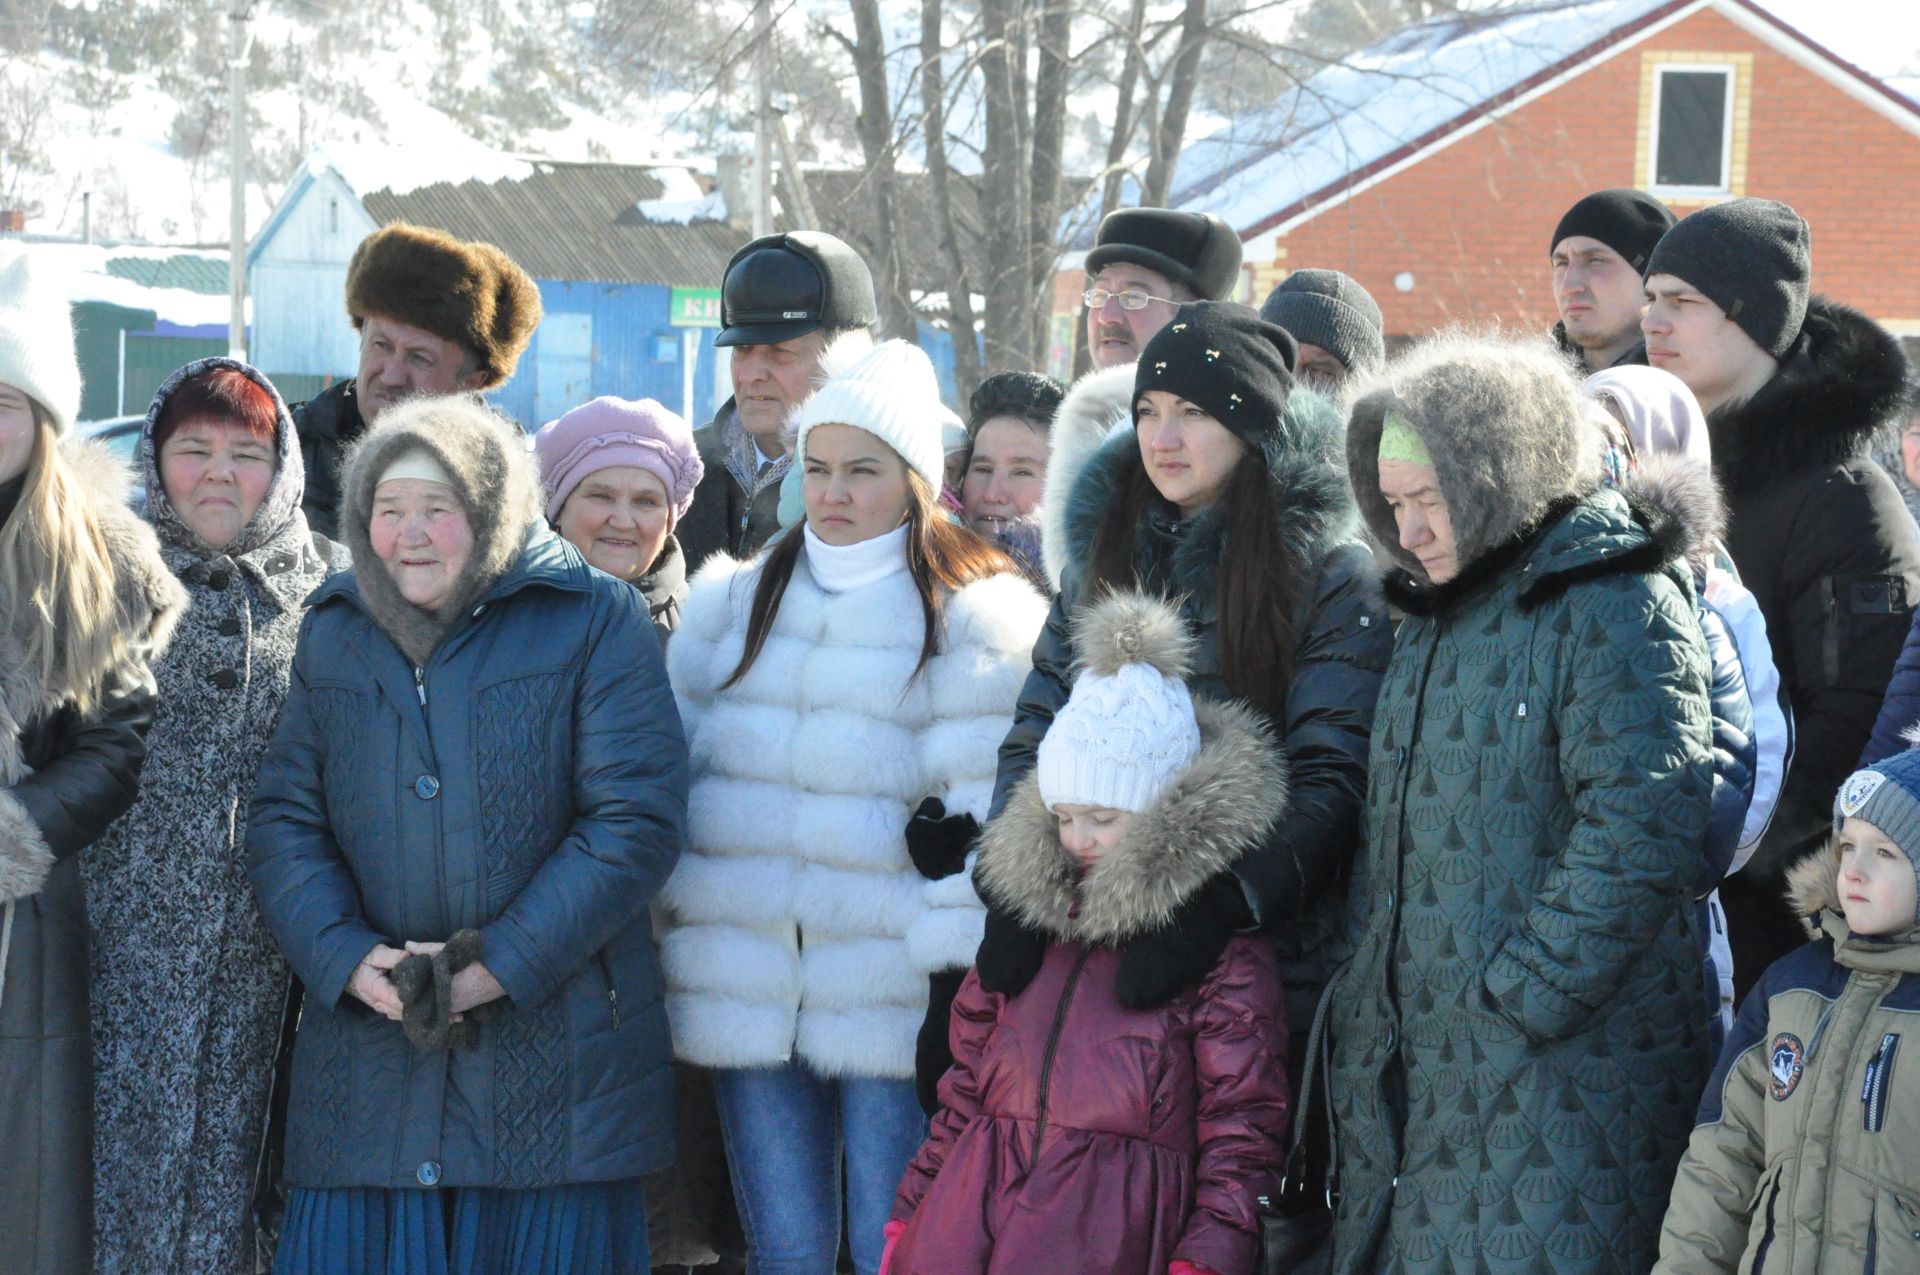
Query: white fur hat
{"type": "Point", "coordinates": [891, 393]}
{"type": "Point", "coordinates": [36, 336]}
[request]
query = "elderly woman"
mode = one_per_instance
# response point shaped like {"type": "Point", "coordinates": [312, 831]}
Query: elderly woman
{"type": "Point", "coordinates": [1521, 1033]}
{"type": "Point", "coordinates": [85, 604]}
{"type": "Point", "coordinates": [619, 476]}
{"type": "Point", "coordinates": [477, 787]}
{"type": "Point", "coordinates": [188, 988]}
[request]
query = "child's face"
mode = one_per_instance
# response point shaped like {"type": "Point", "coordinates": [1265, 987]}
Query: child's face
{"type": "Point", "coordinates": [1877, 885]}
{"type": "Point", "coordinates": [1087, 832]}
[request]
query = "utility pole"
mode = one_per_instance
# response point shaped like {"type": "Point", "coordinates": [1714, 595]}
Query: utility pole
{"type": "Point", "coordinates": [763, 118]}
{"type": "Point", "coordinates": [239, 41]}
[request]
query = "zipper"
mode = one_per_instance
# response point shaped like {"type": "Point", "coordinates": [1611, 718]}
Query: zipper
{"type": "Point", "coordinates": [613, 993]}
{"type": "Point", "coordinates": [420, 684]}
{"type": "Point", "coordinates": [1873, 1243]}
{"type": "Point", "coordinates": [1873, 1093]}
{"type": "Point", "coordinates": [1053, 1046]}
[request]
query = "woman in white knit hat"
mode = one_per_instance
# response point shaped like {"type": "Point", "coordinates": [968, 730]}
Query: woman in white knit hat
{"type": "Point", "coordinates": [861, 670]}
{"type": "Point", "coordinates": [85, 604]}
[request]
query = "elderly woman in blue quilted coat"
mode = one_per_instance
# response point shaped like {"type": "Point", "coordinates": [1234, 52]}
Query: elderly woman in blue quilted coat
{"type": "Point", "coordinates": [1521, 1034]}
{"type": "Point", "coordinates": [477, 787]}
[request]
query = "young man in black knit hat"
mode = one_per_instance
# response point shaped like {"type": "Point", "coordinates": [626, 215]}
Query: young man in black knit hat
{"type": "Point", "coordinates": [1797, 390]}
{"type": "Point", "coordinates": [1599, 253]}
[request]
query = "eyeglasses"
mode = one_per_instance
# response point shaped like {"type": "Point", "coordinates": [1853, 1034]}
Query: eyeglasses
{"type": "Point", "coordinates": [1131, 299]}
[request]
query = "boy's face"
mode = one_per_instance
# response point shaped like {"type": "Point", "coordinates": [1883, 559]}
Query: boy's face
{"type": "Point", "coordinates": [1877, 885]}
{"type": "Point", "coordinates": [1087, 832]}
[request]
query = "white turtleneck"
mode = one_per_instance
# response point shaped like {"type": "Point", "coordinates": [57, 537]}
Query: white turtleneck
{"type": "Point", "coordinates": [844, 568]}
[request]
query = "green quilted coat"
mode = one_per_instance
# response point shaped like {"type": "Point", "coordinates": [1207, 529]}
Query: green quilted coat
{"type": "Point", "coordinates": [1521, 1034]}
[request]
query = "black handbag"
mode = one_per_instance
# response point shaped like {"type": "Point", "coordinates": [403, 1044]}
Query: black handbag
{"type": "Point", "coordinates": [1296, 1223]}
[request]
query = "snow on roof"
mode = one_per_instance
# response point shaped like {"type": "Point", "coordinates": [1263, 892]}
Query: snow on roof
{"type": "Point", "coordinates": [88, 275]}
{"type": "Point", "coordinates": [1358, 112]}
{"type": "Point", "coordinates": [401, 170]}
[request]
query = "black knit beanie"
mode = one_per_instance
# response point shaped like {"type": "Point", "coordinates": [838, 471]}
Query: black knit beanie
{"type": "Point", "coordinates": [1195, 249]}
{"type": "Point", "coordinates": [1330, 310]}
{"type": "Point", "coordinates": [1751, 257]}
{"type": "Point", "coordinates": [1628, 221]}
{"type": "Point", "coordinates": [1223, 357]}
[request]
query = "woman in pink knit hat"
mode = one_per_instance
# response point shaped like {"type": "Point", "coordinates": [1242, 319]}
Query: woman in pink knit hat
{"type": "Point", "coordinates": [619, 476]}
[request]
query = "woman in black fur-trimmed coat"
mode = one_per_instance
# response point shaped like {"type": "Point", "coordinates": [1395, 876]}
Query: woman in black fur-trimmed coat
{"type": "Point", "coordinates": [1283, 601]}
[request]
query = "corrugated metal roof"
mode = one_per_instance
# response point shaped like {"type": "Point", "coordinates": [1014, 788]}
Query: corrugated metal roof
{"type": "Point", "coordinates": [206, 275]}
{"type": "Point", "coordinates": [572, 221]}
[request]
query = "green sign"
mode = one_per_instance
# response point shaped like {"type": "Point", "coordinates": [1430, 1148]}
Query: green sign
{"type": "Point", "coordinates": [696, 308]}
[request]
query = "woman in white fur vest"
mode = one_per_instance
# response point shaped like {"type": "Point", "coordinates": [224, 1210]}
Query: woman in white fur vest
{"type": "Point", "coordinates": [856, 677]}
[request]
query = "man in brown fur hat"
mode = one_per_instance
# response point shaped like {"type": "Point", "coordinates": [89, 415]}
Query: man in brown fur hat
{"type": "Point", "coordinates": [435, 314]}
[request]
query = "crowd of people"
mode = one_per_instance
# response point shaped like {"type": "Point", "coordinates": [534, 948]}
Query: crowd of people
{"type": "Point", "coordinates": [1279, 803]}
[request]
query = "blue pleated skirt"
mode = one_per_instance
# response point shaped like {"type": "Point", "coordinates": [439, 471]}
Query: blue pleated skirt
{"type": "Point", "coordinates": [596, 1228]}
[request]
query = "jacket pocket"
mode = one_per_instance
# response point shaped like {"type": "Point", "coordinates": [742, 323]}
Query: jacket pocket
{"type": "Point", "coordinates": [1762, 1208]}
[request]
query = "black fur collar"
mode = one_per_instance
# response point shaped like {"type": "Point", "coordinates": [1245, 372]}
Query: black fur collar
{"type": "Point", "coordinates": [1843, 380]}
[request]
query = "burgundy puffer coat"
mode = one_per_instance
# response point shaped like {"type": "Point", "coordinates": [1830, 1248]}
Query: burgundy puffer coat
{"type": "Point", "coordinates": [1079, 1135]}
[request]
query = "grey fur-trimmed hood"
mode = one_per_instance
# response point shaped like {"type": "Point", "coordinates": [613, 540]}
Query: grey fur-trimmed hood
{"type": "Point", "coordinates": [1087, 415]}
{"type": "Point", "coordinates": [1680, 493]}
{"type": "Point", "coordinates": [499, 487]}
{"type": "Point", "coordinates": [1507, 428]}
{"type": "Point", "coordinates": [1220, 807]}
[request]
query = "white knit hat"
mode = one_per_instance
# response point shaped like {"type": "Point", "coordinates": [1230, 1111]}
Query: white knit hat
{"type": "Point", "coordinates": [1127, 731]}
{"type": "Point", "coordinates": [36, 336]}
{"type": "Point", "coordinates": [891, 393]}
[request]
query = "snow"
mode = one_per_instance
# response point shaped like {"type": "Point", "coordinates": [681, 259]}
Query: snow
{"type": "Point", "coordinates": [683, 200]}
{"type": "Point", "coordinates": [82, 268]}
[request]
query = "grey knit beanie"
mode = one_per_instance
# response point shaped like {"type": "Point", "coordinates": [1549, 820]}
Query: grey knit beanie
{"type": "Point", "coordinates": [1330, 310]}
{"type": "Point", "coordinates": [1751, 257]}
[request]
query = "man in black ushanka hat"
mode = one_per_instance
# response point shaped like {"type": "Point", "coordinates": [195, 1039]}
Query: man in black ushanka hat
{"type": "Point", "coordinates": [794, 309]}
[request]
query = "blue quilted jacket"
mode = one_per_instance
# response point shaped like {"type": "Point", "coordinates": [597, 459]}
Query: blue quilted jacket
{"type": "Point", "coordinates": [530, 781]}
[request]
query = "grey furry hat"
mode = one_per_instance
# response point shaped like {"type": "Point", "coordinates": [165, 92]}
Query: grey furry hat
{"type": "Point", "coordinates": [486, 458]}
{"type": "Point", "coordinates": [1506, 426]}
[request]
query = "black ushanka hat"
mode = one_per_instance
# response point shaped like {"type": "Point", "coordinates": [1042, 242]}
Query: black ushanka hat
{"type": "Point", "coordinates": [1222, 356]}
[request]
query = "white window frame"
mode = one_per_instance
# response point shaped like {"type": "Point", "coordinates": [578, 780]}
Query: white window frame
{"type": "Point", "coordinates": [1732, 74]}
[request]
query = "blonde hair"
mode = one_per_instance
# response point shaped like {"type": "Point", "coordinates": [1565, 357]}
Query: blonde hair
{"type": "Point", "coordinates": [55, 566]}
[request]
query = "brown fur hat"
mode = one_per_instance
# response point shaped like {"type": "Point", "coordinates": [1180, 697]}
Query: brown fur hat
{"type": "Point", "coordinates": [471, 293]}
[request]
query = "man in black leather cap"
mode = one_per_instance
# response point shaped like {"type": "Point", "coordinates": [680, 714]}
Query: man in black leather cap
{"type": "Point", "coordinates": [792, 307]}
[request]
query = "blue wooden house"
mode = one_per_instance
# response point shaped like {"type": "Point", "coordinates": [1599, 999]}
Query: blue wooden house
{"type": "Point", "coordinates": [631, 297]}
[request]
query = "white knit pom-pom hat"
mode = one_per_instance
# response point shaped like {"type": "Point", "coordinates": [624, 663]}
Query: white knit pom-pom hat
{"type": "Point", "coordinates": [36, 336]}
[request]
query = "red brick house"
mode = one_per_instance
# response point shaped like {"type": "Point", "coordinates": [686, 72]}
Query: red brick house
{"type": "Point", "coordinates": [1433, 166]}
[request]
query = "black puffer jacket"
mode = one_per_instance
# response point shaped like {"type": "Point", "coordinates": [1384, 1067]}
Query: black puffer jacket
{"type": "Point", "coordinates": [64, 776]}
{"type": "Point", "coordinates": [328, 424]}
{"type": "Point", "coordinates": [1822, 538]}
{"type": "Point", "coordinates": [1296, 885]}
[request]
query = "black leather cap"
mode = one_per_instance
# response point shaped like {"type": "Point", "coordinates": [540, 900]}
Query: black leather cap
{"type": "Point", "coordinates": [782, 286]}
{"type": "Point", "coordinates": [1195, 249]}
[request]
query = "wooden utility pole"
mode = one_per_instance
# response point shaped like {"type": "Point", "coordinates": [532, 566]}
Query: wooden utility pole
{"type": "Point", "coordinates": [239, 41]}
{"type": "Point", "coordinates": [762, 118]}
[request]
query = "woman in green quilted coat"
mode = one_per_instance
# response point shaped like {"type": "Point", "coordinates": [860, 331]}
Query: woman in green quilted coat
{"type": "Point", "coordinates": [1522, 1032]}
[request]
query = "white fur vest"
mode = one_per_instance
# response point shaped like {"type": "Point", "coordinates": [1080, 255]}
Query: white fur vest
{"type": "Point", "coordinates": [796, 923]}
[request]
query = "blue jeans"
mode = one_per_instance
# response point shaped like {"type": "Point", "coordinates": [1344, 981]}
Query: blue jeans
{"type": "Point", "coordinates": [786, 1130]}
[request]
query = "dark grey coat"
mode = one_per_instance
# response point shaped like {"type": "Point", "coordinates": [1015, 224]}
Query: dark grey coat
{"type": "Point", "coordinates": [188, 987]}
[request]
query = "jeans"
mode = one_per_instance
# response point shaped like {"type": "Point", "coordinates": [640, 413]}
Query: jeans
{"type": "Point", "coordinates": [786, 1130]}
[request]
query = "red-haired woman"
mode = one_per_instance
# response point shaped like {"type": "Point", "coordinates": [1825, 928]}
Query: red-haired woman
{"type": "Point", "coordinates": [862, 669]}
{"type": "Point", "coordinates": [188, 986]}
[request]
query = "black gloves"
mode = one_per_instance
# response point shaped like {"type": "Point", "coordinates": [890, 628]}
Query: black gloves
{"type": "Point", "coordinates": [1010, 954]}
{"type": "Point", "coordinates": [1160, 964]}
{"type": "Point", "coordinates": [933, 1049]}
{"type": "Point", "coordinates": [937, 841]}
{"type": "Point", "coordinates": [425, 984]}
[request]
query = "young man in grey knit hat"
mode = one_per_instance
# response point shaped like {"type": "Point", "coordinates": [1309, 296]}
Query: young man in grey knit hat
{"type": "Point", "coordinates": [1337, 323]}
{"type": "Point", "coordinates": [1797, 390]}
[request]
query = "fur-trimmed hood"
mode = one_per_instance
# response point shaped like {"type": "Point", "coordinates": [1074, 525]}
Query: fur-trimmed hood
{"type": "Point", "coordinates": [1678, 500]}
{"type": "Point", "coordinates": [1310, 490]}
{"type": "Point", "coordinates": [1097, 402]}
{"type": "Point", "coordinates": [1507, 428]}
{"type": "Point", "coordinates": [1221, 806]}
{"type": "Point", "coordinates": [1842, 382]}
{"type": "Point", "coordinates": [1813, 892]}
{"type": "Point", "coordinates": [494, 474]}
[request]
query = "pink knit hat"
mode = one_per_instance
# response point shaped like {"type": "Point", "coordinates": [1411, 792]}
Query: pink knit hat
{"type": "Point", "coordinates": [617, 431]}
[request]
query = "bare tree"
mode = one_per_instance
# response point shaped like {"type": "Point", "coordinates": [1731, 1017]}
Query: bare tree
{"type": "Point", "coordinates": [933, 93]}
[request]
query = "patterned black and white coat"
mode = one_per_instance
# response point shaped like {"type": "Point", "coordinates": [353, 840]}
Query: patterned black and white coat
{"type": "Point", "coordinates": [188, 987]}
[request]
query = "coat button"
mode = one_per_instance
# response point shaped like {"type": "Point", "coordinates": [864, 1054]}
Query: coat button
{"type": "Point", "coordinates": [226, 679]}
{"type": "Point", "coordinates": [426, 788]}
{"type": "Point", "coordinates": [217, 578]}
{"type": "Point", "coordinates": [230, 627]}
{"type": "Point", "coordinates": [428, 1173]}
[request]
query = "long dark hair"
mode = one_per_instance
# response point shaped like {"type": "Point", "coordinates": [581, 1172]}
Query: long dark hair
{"type": "Point", "coordinates": [1258, 575]}
{"type": "Point", "coordinates": [941, 554]}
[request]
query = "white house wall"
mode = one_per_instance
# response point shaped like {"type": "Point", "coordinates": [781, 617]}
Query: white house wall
{"type": "Point", "coordinates": [298, 282]}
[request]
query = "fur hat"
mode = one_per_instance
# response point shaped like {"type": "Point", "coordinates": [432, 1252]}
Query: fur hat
{"type": "Point", "coordinates": [1127, 730]}
{"type": "Point", "coordinates": [1197, 250]}
{"type": "Point", "coordinates": [891, 393]}
{"type": "Point", "coordinates": [36, 336]}
{"type": "Point", "coordinates": [469, 293]}
{"type": "Point", "coordinates": [485, 455]}
{"type": "Point", "coordinates": [1508, 430]}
